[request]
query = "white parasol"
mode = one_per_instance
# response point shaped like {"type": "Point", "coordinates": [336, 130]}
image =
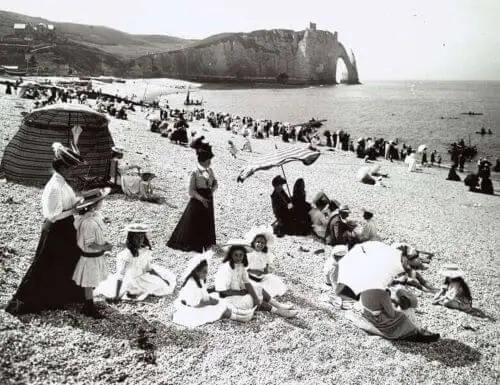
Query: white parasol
{"type": "Point", "coordinates": [369, 265]}
{"type": "Point", "coordinates": [422, 147]}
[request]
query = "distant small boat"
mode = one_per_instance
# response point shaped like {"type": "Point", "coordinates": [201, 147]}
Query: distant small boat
{"type": "Point", "coordinates": [484, 132]}
{"type": "Point", "coordinates": [15, 72]}
{"type": "Point", "coordinates": [472, 113]}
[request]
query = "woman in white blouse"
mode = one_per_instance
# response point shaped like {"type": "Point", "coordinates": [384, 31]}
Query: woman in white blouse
{"type": "Point", "coordinates": [48, 282]}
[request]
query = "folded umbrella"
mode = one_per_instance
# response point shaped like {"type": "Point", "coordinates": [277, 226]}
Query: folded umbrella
{"type": "Point", "coordinates": [369, 265]}
{"type": "Point", "coordinates": [307, 155]}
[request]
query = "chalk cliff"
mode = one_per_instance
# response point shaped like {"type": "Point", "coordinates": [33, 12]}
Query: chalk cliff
{"type": "Point", "coordinates": [284, 56]}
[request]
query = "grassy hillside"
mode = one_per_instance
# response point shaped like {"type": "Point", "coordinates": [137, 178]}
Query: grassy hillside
{"type": "Point", "coordinates": [114, 42]}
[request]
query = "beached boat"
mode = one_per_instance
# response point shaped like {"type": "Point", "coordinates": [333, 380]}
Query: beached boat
{"type": "Point", "coordinates": [14, 72]}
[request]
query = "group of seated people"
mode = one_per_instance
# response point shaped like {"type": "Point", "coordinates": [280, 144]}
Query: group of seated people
{"type": "Point", "coordinates": [327, 219]}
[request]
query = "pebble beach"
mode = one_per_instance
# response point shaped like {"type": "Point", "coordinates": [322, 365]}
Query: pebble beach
{"type": "Point", "coordinates": [137, 343]}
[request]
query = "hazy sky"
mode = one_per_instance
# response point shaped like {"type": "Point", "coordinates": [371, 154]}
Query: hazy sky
{"type": "Point", "coordinates": [392, 39]}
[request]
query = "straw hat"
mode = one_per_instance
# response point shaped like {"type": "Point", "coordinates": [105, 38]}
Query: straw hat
{"type": "Point", "coordinates": [344, 208]}
{"type": "Point", "coordinates": [404, 293]}
{"type": "Point", "coordinates": [451, 271]}
{"type": "Point", "coordinates": [265, 230]}
{"type": "Point", "coordinates": [93, 196]}
{"type": "Point", "coordinates": [237, 242]}
{"type": "Point", "coordinates": [194, 262]}
{"type": "Point", "coordinates": [137, 228]}
{"type": "Point", "coordinates": [338, 251]}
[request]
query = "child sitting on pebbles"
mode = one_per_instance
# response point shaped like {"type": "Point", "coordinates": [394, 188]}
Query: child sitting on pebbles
{"type": "Point", "coordinates": [455, 292]}
{"type": "Point", "coordinates": [259, 260]}
{"type": "Point", "coordinates": [195, 306]}
{"type": "Point", "coordinates": [233, 283]}
{"type": "Point", "coordinates": [136, 276]}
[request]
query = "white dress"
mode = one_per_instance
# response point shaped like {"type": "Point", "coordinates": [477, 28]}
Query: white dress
{"type": "Point", "coordinates": [272, 284]}
{"type": "Point", "coordinates": [135, 276]}
{"type": "Point", "coordinates": [90, 271]}
{"type": "Point", "coordinates": [234, 279]}
{"type": "Point", "coordinates": [188, 310]}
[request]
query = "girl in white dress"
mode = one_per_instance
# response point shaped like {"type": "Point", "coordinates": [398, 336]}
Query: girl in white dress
{"type": "Point", "coordinates": [136, 277]}
{"type": "Point", "coordinates": [194, 306]}
{"type": "Point", "coordinates": [91, 268]}
{"type": "Point", "coordinates": [234, 286]}
{"type": "Point", "coordinates": [259, 259]}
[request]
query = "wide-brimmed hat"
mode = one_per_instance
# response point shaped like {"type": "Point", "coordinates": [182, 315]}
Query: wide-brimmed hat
{"type": "Point", "coordinates": [339, 251]}
{"type": "Point", "coordinates": [344, 208]}
{"type": "Point", "coordinates": [118, 150]}
{"type": "Point", "coordinates": [236, 242]}
{"type": "Point", "coordinates": [137, 228]}
{"type": "Point", "coordinates": [405, 293]}
{"type": "Point", "coordinates": [278, 180]}
{"type": "Point", "coordinates": [321, 200]}
{"type": "Point", "coordinates": [265, 230]}
{"type": "Point", "coordinates": [451, 271]}
{"type": "Point", "coordinates": [194, 262]}
{"type": "Point", "coordinates": [67, 155]}
{"type": "Point", "coordinates": [93, 196]}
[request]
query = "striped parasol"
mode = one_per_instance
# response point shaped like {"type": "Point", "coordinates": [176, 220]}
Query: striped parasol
{"type": "Point", "coordinates": [65, 115]}
{"type": "Point", "coordinates": [307, 155]}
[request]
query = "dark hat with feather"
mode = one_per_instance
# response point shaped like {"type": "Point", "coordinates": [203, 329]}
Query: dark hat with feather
{"type": "Point", "coordinates": [202, 148]}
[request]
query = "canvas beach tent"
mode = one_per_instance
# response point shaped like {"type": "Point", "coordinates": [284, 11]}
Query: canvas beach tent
{"type": "Point", "coordinates": [27, 159]}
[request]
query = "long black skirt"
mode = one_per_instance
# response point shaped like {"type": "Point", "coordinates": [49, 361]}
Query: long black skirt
{"type": "Point", "coordinates": [48, 283]}
{"type": "Point", "coordinates": [196, 228]}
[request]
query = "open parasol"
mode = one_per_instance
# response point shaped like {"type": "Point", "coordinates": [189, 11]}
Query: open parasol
{"type": "Point", "coordinates": [369, 265]}
{"type": "Point", "coordinates": [307, 155]}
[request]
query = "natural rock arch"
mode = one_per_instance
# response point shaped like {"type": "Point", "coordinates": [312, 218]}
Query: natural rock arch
{"type": "Point", "coordinates": [352, 69]}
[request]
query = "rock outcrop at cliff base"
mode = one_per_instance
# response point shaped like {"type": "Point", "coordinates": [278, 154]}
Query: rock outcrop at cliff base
{"type": "Point", "coordinates": [274, 56]}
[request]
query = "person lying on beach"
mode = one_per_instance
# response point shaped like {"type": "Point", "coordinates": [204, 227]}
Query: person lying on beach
{"type": "Point", "coordinates": [370, 175]}
{"type": "Point", "coordinates": [411, 263]}
{"type": "Point", "coordinates": [378, 316]}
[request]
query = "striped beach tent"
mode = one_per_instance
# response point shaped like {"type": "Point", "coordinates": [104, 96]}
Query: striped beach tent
{"type": "Point", "coordinates": [307, 155]}
{"type": "Point", "coordinates": [27, 159]}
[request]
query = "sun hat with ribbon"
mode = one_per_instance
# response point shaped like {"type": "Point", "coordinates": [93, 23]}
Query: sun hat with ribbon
{"type": "Point", "coordinates": [66, 155]}
{"type": "Point", "coordinates": [236, 242]}
{"type": "Point", "coordinates": [452, 271]}
{"type": "Point", "coordinates": [265, 230]}
{"type": "Point", "coordinates": [194, 262]}
{"type": "Point", "coordinates": [93, 196]}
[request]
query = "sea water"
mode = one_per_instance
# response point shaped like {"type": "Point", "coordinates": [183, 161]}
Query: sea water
{"type": "Point", "coordinates": [414, 112]}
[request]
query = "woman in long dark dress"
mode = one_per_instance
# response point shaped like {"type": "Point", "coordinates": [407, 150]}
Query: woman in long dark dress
{"type": "Point", "coordinates": [48, 282]}
{"type": "Point", "coordinates": [300, 209]}
{"type": "Point", "coordinates": [196, 228]}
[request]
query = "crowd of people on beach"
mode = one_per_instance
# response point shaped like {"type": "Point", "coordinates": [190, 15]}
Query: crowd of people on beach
{"type": "Point", "coordinates": [70, 261]}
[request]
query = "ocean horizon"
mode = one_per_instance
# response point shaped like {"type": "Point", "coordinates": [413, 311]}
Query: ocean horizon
{"type": "Point", "coordinates": [414, 112]}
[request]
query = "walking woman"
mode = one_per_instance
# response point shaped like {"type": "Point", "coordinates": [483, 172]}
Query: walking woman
{"type": "Point", "coordinates": [48, 282]}
{"type": "Point", "coordinates": [196, 228]}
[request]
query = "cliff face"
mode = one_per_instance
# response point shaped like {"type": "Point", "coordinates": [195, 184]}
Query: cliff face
{"type": "Point", "coordinates": [304, 57]}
